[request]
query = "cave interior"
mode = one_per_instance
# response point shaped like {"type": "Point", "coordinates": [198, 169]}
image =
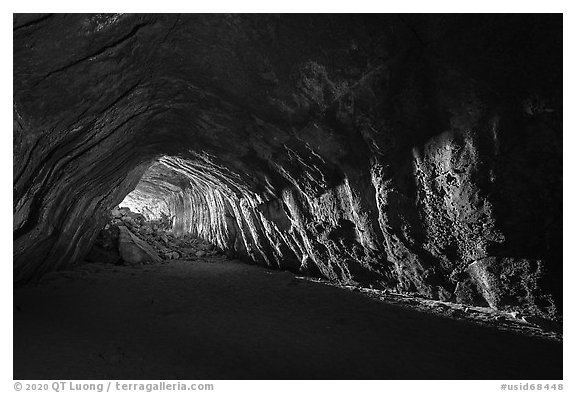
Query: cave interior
{"type": "Point", "coordinates": [418, 156]}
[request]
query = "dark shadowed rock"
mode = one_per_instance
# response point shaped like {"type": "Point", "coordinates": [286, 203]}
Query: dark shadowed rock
{"type": "Point", "coordinates": [134, 251]}
{"type": "Point", "coordinates": [100, 255]}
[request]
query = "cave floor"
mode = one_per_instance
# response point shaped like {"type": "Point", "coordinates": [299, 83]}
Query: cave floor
{"type": "Point", "coordinates": [220, 319]}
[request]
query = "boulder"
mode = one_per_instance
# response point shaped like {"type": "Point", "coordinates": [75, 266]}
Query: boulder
{"type": "Point", "coordinates": [100, 255]}
{"type": "Point", "coordinates": [145, 230]}
{"type": "Point", "coordinates": [116, 213]}
{"type": "Point", "coordinates": [135, 251]}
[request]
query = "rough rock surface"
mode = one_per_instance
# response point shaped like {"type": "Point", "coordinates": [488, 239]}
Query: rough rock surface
{"type": "Point", "coordinates": [412, 152]}
{"type": "Point", "coordinates": [135, 251]}
{"type": "Point", "coordinates": [130, 239]}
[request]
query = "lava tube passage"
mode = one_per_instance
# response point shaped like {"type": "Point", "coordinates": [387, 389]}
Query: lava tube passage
{"type": "Point", "coordinates": [287, 196]}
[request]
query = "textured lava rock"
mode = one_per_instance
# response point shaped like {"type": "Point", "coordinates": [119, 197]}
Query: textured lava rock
{"type": "Point", "coordinates": [420, 153]}
{"type": "Point", "coordinates": [135, 251]}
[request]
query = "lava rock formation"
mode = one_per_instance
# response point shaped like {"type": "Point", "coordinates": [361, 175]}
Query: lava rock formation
{"type": "Point", "coordinates": [418, 153]}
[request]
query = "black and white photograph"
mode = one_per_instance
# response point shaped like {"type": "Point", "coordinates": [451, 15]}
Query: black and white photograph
{"type": "Point", "coordinates": [204, 197]}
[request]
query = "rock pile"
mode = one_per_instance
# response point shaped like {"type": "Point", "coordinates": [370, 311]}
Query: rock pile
{"type": "Point", "coordinates": [131, 239]}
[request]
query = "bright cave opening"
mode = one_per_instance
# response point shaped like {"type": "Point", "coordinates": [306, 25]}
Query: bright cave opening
{"type": "Point", "coordinates": [151, 225]}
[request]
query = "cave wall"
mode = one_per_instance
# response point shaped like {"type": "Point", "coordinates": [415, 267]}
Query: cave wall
{"type": "Point", "coordinates": [421, 153]}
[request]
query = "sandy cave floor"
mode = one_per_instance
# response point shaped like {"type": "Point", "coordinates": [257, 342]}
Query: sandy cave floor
{"type": "Point", "coordinates": [220, 319]}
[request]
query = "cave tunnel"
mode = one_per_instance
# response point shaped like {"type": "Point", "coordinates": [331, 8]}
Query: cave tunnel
{"type": "Point", "coordinates": [363, 196]}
